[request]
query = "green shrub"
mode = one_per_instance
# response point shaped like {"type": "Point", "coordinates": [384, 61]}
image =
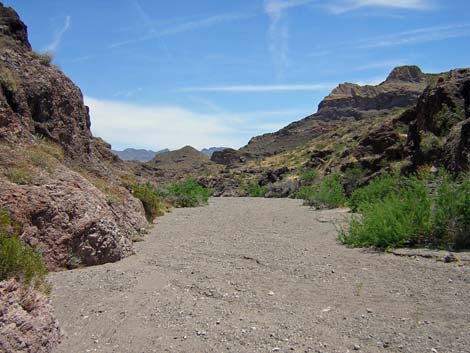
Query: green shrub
{"type": "Point", "coordinates": [148, 194]}
{"type": "Point", "coordinates": [353, 177]}
{"type": "Point", "coordinates": [18, 260]}
{"type": "Point", "coordinates": [378, 189]}
{"type": "Point", "coordinates": [255, 190]}
{"type": "Point", "coordinates": [399, 218]}
{"type": "Point", "coordinates": [19, 175]}
{"type": "Point", "coordinates": [187, 193]}
{"type": "Point", "coordinates": [329, 193]}
{"type": "Point", "coordinates": [307, 175]}
{"type": "Point", "coordinates": [397, 211]}
{"type": "Point", "coordinates": [305, 193]}
{"type": "Point", "coordinates": [451, 212]}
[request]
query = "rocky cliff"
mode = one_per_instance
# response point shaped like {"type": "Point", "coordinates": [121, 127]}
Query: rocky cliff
{"type": "Point", "coordinates": [51, 167]}
{"type": "Point", "coordinates": [345, 104]}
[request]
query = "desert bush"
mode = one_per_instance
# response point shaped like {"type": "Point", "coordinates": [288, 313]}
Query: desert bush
{"type": "Point", "coordinates": [308, 175]}
{"type": "Point", "coordinates": [44, 58]}
{"type": "Point", "coordinates": [8, 80]}
{"type": "Point", "coordinates": [18, 260]}
{"type": "Point", "coordinates": [397, 211]}
{"type": "Point", "coordinates": [451, 212]}
{"type": "Point", "coordinates": [377, 190]}
{"type": "Point", "coordinates": [305, 193]}
{"type": "Point", "coordinates": [253, 189]}
{"type": "Point", "coordinates": [19, 175]}
{"type": "Point", "coordinates": [187, 193]}
{"type": "Point", "coordinates": [148, 194]}
{"type": "Point", "coordinates": [328, 194]}
{"type": "Point", "coordinates": [400, 217]}
{"type": "Point", "coordinates": [353, 177]}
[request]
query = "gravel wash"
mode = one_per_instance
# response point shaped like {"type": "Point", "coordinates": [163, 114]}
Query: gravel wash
{"type": "Point", "coordinates": [261, 275]}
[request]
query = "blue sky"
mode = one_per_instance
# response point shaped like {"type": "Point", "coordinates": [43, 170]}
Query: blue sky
{"type": "Point", "coordinates": [160, 74]}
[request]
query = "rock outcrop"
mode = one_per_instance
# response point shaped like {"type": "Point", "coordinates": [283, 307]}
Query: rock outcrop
{"type": "Point", "coordinates": [27, 323]}
{"type": "Point", "coordinates": [440, 123]}
{"type": "Point", "coordinates": [56, 179]}
{"type": "Point", "coordinates": [180, 164]}
{"type": "Point", "coordinates": [347, 102]}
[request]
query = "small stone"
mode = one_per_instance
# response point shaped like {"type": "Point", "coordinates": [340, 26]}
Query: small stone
{"type": "Point", "coordinates": [276, 349]}
{"type": "Point", "coordinates": [356, 347]}
{"type": "Point", "coordinates": [450, 258]}
{"type": "Point", "coordinates": [271, 293]}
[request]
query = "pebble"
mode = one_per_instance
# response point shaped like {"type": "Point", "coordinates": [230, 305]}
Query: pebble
{"type": "Point", "coordinates": [271, 293]}
{"type": "Point", "coordinates": [356, 347]}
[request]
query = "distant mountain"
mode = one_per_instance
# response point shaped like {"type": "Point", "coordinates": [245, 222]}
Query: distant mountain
{"type": "Point", "coordinates": [211, 150]}
{"type": "Point", "coordinates": [185, 162]}
{"type": "Point", "coordinates": [141, 155]}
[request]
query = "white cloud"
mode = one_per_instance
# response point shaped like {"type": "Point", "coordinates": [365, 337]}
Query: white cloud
{"type": "Point", "coordinates": [416, 36]}
{"type": "Point", "coordinates": [156, 127]}
{"type": "Point", "coordinates": [278, 33]}
{"type": "Point", "coordinates": [254, 88]}
{"type": "Point", "coordinates": [343, 6]}
{"type": "Point", "coordinates": [182, 27]}
{"type": "Point", "coordinates": [52, 47]}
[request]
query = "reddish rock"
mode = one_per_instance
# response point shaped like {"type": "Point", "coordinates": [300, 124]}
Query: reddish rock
{"type": "Point", "coordinates": [27, 323]}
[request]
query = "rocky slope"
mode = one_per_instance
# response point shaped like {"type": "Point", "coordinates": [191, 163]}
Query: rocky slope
{"type": "Point", "coordinates": [409, 121]}
{"type": "Point", "coordinates": [49, 161]}
{"type": "Point", "coordinates": [175, 165]}
{"type": "Point", "coordinates": [62, 185]}
{"type": "Point", "coordinates": [346, 103]}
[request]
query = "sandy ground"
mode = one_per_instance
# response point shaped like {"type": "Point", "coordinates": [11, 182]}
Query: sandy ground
{"type": "Point", "coordinates": [261, 275]}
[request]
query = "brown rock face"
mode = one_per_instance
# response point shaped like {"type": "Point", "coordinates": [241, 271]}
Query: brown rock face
{"type": "Point", "coordinates": [440, 123]}
{"type": "Point", "coordinates": [27, 323]}
{"type": "Point", "coordinates": [183, 163]}
{"type": "Point", "coordinates": [347, 102]}
{"type": "Point", "coordinates": [84, 218]}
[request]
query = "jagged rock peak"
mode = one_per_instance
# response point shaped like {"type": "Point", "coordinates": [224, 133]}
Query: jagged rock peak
{"type": "Point", "coordinates": [410, 73]}
{"type": "Point", "coordinates": [11, 26]}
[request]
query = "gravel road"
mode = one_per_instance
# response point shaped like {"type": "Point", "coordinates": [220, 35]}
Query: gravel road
{"type": "Point", "coordinates": [261, 275]}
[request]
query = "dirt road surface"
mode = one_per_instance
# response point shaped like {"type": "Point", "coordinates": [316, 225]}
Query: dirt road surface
{"type": "Point", "coordinates": [261, 275]}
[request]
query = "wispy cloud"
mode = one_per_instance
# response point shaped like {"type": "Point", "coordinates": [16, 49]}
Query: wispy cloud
{"type": "Point", "coordinates": [174, 127]}
{"type": "Point", "coordinates": [342, 6]}
{"type": "Point", "coordinates": [52, 47]}
{"type": "Point", "coordinates": [262, 88]}
{"type": "Point", "coordinates": [183, 27]}
{"type": "Point", "coordinates": [415, 36]}
{"type": "Point", "coordinates": [278, 33]}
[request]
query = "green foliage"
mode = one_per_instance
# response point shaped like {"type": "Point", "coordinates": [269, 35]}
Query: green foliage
{"type": "Point", "coordinates": [18, 260]}
{"type": "Point", "coordinates": [452, 212]}
{"type": "Point", "coordinates": [397, 211]}
{"type": "Point", "coordinates": [305, 193]}
{"type": "Point", "coordinates": [187, 193]}
{"type": "Point", "coordinates": [19, 175]}
{"type": "Point", "coordinates": [255, 190]}
{"type": "Point", "coordinates": [148, 194]}
{"type": "Point", "coordinates": [398, 218]}
{"type": "Point", "coordinates": [353, 176]}
{"type": "Point", "coordinates": [446, 118]}
{"type": "Point", "coordinates": [377, 190]}
{"type": "Point", "coordinates": [329, 193]}
{"type": "Point", "coordinates": [308, 175]}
